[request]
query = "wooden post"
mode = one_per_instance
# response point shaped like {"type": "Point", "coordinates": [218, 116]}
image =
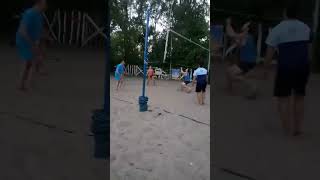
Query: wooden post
{"type": "Point", "coordinates": [50, 25]}
{"type": "Point", "coordinates": [129, 69]}
{"type": "Point", "coordinates": [59, 26]}
{"type": "Point", "coordinates": [64, 27]}
{"type": "Point", "coordinates": [83, 28]}
{"type": "Point", "coordinates": [135, 70]}
{"type": "Point", "coordinates": [259, 42]}
{"type": "Point", "coordinates": [96, 27]}
{"type": "Point", "coordinates": [78, 27]}
{"type": "Point", "coordinates": [71, 31]}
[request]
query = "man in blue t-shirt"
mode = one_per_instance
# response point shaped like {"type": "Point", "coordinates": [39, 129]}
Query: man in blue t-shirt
{"type": "Point", "coordinates": [292, 40]}
{"type": "Point", "coordinates": [27, 39]}
{"type": "Point", "coordinates": [186, 80]}
{"type": "Point", "coordinates": [200, 77]}
{"type": "Point", "coordinates": [120, 70]}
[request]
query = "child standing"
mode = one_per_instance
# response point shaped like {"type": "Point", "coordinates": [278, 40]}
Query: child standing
{"type": "Point", "coordinates": [27, 40]}
{"type": "Point", "coordinates": [186, 80]}
{"type": "Point", "coordinates": [150, 75]}
{"type": "Point", "coordinates": [119, 73]}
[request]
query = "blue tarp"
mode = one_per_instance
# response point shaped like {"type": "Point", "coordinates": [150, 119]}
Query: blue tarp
{"type": "Point", "coordinates": [175, 73]}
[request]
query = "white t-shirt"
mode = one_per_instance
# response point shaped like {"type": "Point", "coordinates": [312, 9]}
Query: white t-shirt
{"type": "Point", "coordinates": [288, 31]}
{"type": "Point", "coordinates": [291, 38]}
{"type": "Point", "coordinates": [200, 71]}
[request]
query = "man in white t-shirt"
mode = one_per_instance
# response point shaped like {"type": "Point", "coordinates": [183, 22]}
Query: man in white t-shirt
{"type": "Point", "coordinates": [200, 76]}
{"type": "Point", "coordinates": [292, 39]}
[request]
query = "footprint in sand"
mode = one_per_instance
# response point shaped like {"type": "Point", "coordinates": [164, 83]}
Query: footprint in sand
{"type": "Point", "coordinates": [147, 129]}
{"type": "Point", "coordinates": [124, 124]}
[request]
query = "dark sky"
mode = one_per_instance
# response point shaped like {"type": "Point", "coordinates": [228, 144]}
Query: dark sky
{"type": "Point", "coordinates": [87, 5]}
{"type": "Point", "coordinates": [11, 7]}
{"type": "Point", "coordinates": [267, 9]}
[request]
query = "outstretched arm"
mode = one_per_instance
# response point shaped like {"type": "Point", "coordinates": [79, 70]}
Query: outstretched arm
{"type": "Point", "coordinates": [238, 37]}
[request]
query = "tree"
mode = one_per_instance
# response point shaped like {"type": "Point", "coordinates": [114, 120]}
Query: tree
{"type": "Point", "coordinates": [187, 17]}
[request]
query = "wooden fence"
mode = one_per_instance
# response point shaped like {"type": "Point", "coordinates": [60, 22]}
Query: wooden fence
{"type": "Point", "coordinates": [75, 28]}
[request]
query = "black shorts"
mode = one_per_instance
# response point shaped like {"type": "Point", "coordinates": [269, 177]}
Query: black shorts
{"type": "Point", "coordinates": [291, 81]}
{"type": "Point", "coordinates": [201, 86]}
{"type": "Point", "coordinates": [187, 82]}
{"type": "Point", "coordinates": [246, 67]}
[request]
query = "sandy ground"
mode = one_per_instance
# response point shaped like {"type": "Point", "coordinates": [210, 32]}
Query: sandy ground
{"type": "Point", "coordinates": [248, 138]}
{"type": "Point", "coordinates": [64, 99]}
{"type": "Point", "coordinates": [164, 143]}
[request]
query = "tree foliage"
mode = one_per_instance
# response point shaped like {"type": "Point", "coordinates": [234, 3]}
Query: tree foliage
{"type": "Point", "coordinates": [187, 17]}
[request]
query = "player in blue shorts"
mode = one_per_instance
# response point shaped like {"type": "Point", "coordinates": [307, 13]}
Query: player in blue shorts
{"type": "Point", "coordinates": [27, 40]}
{"type": "Point", "coordinates": [186, 80]}
{"type": "Point", "coordinates": [119, 73]}
{"type": "Point", "coordinates": [240, 71]}
{"type": "Point", "coordinates": [292, 39]}
{"type": "Point", "coordinates": [200, 77]}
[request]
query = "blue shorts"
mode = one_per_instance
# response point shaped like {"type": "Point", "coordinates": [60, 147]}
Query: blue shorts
{"type": "Point", "coordinates": [25, 52]}
{"type": "Point", "coordinates": [290, 82]}
{"type": "Point", "coordinates": [117, 76]}
{"type": "Point", "coordinates": [201, 86]}
{"type": "Point", "coordinates": [201, 83]}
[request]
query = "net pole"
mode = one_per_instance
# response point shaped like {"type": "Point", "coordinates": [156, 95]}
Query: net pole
{"type": "Point", "coordinates": [171, 57]}
{"type": "Point", "coordinates": [145, 58]}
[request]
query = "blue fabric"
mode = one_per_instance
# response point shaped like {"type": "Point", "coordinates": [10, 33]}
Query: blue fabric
{"type": "Point", "coordinates": [33, 22]}
{"type": "Point", "coordinates": [120, 69]}
{"type": "Point", "coordinates": [248, 52]}
{"type": "Point", "coordinates": [293, 55]}
{"type": "Point", "coordinates": [24, 52]}
{"type": "Point", "coordinates": [175, 72]}
{"type": "Point", "coordinates": [217, 33]}
{"type": "Point", "coordinates": [117, 76]}
{"type": "Point", "coordinates": [186, 77]}
{"type": "Point", "coordinates": [201, 79]}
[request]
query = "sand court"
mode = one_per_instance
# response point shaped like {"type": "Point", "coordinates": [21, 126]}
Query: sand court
{"type": "Point", "coordinates": [170, 141]}
{"type": "Point", "coordinates": [45, 133]}
{"type": "Point", "coordinates": [249, 138]}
